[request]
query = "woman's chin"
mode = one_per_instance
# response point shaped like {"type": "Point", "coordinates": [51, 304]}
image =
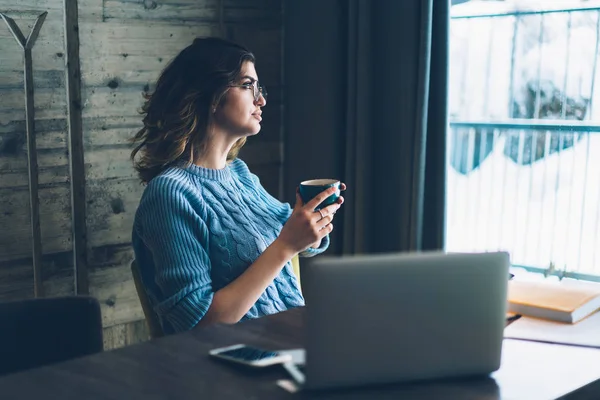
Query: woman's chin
{"type": "Point", "coordinates": [249, 130]}
{"type": "Point", "coordinates": [254, 131]}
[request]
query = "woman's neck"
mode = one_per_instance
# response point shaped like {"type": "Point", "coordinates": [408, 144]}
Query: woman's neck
{"type": "Point", "coordinates": [214, 155]}
{"type": "Point", "coordinates": [212, 161]}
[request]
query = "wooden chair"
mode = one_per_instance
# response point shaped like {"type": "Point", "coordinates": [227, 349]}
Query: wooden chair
{"type": "Point", "coordinates": [45, 331]}
{"type": "Point", "coordinates": [152, 320]}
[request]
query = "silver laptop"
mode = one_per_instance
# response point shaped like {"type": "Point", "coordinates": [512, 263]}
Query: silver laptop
{"type": "Point", "coordinates": [386, 318]}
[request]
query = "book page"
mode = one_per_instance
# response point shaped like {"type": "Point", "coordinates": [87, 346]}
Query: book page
{"type": "Point", "coordinates": [584, 333]}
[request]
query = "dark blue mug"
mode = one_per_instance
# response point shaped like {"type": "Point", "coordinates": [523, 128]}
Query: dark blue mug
{"type": "Point", "coordinates": [309, 189]}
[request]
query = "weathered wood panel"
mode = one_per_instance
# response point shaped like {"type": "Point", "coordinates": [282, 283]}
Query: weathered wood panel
{"type": "Point", "coordinates": [132, 53]}
{"type": "Point", "coordinates": [112, 205]}
{"type": "Point", "coordinates": [15, 242]}
{"type": "Point", "coordinates": [12, 77]}
{"type": "Point", "coordinates": [262, 13]}
{"type": "Point", "coordinates": [125, 334]}
{"type": "Point", "coordinates": [49, 104]}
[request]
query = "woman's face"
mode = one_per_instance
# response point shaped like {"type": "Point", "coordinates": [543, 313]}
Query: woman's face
{"type": "Point", "coordinates": [239, 114]}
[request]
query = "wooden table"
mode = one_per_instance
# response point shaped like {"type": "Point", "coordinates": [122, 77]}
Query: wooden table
{"type": "Point", "coordinates": [177, 367]}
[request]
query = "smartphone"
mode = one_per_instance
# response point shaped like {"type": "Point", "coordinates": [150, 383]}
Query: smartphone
{"type": "Point", "coordinates": [249, 355]}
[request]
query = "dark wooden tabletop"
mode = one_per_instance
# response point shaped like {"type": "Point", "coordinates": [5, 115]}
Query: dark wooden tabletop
{"type": "Point", "coordinates": [177, 367]}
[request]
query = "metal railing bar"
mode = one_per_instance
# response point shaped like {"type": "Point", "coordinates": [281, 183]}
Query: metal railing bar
{"type": "Point", "coordinates": [583, 200]}
{"type": "Point", "coordinates": [563, 111]}
{"type": "Point", "coordinates": [567, 240]}
{"type": "Point", "coordinates": [476, 207]}
{"type": "Point", "coordinates": [488, 68]}
{"type": "Point", "coordinates": [516, 224]}
{"type": "Point", "coordinates": [532, 151]}
{"type": "Point", "coordinates": [560, 274]}
{"type": "Point", "coordinates": [502, 203]}
{"type": "Point", "coordinates": [547, 138]}
{"type": "Point", "coordinates": [464, 71]}
{"type": "Point", "coordinates": [538, 96]}
{"type": "Point", "coordinates": [519, 13]}
{"type": "Point", "coordinates": [470, 167]}
{"type": "Point", "coordinates": [493, 195]}
{"type": "Point", "coordinates": [511, 85]}
{"type": "Point", "coordinates": [531, 124]}
{"type": "Point", "coordinates": [556, 190]}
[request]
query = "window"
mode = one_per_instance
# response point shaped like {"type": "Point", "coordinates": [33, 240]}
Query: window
{"type": "Point", "coordinates": [524, 138]}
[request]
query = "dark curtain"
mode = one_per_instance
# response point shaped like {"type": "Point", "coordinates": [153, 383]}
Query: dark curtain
{"type": "Point", "coordinates": [366, 101]}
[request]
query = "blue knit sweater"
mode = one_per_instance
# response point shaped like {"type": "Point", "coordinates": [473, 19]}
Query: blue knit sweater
{"type": "Point", "coordinates": [198, 229]}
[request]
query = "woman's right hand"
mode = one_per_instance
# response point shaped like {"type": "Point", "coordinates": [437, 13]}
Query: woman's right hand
{"type": "Point", "coordinates": [307, 226]}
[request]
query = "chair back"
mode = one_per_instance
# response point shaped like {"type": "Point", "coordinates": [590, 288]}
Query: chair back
{"type": "Point", "coordinates": [296, 267]}
{"type": "Point", "coordinates": [152, 320]}
{"type": "Point", "coordinates": [37, 332]}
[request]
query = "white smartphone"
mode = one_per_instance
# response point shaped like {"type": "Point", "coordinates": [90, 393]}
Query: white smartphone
{"type": "Point", "coordinates": [249, 355]}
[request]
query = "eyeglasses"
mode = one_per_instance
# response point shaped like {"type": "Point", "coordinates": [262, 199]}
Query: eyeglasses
{"type": "Point", "coordinates": [257, 89]}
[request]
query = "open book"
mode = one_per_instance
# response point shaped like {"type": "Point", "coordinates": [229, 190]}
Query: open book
{"type": "Point", "coordinates": [565, 301]}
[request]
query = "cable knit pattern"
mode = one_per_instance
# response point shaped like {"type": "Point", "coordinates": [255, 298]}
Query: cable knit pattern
{"type": "Point", "coordinates": [198, 229]}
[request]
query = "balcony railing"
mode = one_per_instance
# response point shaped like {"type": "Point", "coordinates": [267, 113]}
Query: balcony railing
{"type": "Point", "coordinates": [524, 143]}
{"type": "Point", "coordinates": [511, 188]}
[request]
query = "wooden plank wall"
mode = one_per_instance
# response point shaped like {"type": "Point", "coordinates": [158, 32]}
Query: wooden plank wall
{"type": "Point", "coordinates": [124, 46]}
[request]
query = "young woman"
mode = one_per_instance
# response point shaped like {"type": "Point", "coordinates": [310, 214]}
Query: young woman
{"type": "Point", "coordinates": [212, 245]}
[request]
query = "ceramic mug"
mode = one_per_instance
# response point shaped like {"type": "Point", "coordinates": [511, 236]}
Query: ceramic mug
{"type": "Point", "coordinates": [309, 189]}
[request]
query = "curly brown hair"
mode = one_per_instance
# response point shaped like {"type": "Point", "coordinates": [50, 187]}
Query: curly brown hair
{"type": "Point", "coordinates": [178, 112]}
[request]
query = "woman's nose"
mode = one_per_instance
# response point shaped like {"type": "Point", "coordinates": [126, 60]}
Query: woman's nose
{"type": "Point", "coordinates": [261, 101]}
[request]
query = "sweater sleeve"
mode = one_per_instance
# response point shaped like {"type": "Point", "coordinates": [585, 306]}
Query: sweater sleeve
{"type": "Point", "coordinates": [178, 240]}
{"type": "Point", "coordinates": [310, 252]}
{"type": "Point", "coordinates": [284, 210]}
